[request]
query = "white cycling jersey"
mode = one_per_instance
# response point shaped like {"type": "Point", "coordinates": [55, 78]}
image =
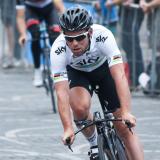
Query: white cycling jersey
{"type": "Point", "coordinates": [102, 47]}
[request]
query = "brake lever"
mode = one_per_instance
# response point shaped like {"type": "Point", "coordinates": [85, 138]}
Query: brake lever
{"type": "Point", "coordinates": [68, 140]}
{"type": "Point", "coordinates": [129, 125]}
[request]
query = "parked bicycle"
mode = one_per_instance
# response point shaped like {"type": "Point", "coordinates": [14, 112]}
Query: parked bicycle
{"type": "Point", "coordinates": [110, 146]}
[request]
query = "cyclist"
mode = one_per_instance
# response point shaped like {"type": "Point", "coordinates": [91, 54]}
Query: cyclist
{"type": "Point", "coordinates": [34, 11]}
{"type": "Point", "coordinates": [85, 56]}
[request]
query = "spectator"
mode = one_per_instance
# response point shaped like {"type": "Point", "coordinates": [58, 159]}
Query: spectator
{"type": "Point", "coordinates": [152, 9]}
{"type": "Point", "coordinates": [131, 22]}
{"type": "Point", "coordinates": [7, 17]}
{"type": "Point", "coordinates": [109, 13]}
{"type": "Point", "coordinates": [34, 12]}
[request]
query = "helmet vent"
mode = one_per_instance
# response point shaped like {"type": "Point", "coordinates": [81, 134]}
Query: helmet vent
{"type": "Point", "coordinates": [72, 12]}
{"type": "Point", "coordinates": [77, 10]}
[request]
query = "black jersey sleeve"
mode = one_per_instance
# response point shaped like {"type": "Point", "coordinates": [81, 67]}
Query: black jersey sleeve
{"type": "Point", "coordinates": [20, 2]}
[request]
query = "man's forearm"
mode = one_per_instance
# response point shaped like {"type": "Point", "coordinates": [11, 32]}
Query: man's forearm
{"type": "Point", "coordinates": [59, 5]}
{"type": "Point", "coordinates": [122, 88]}
{"type": "Point", "coordinates": [123, 94]}
{"type": "Point", "coordinates": [62, 92]}
{"type": "Point", "coordinates": [21, 25]}
{"type": "Point", "coordinates": [154, 3]}
{"type": "Point", "coordinates": [117, 2]}
{"type": "Point", "coordinates": [65, 112]}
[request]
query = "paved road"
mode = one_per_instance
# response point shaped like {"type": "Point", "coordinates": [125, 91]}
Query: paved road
{"type": "Point", "coordinates": [29, 130]}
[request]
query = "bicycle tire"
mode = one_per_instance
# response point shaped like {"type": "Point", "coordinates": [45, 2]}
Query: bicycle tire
{"type": "Point", "coordinates": [49, 85]}
{"type": "Point", "coordinates": [52, 94]}
{"type": "Point", "coordinates": [105, 149]}
{"type": "Point", "coordinates": [119, 148]}
{"type": "Point", "coordinates": [101, 153]}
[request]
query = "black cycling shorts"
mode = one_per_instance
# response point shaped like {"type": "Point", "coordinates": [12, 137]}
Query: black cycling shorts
{"type": "Point", "coordinates": [48, 14]}
{"type": "Point", "coordinates": [99, 80]}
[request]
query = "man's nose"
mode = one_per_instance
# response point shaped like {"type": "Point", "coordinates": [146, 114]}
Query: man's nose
{"type": "Point", "coordinates": [74, 42]}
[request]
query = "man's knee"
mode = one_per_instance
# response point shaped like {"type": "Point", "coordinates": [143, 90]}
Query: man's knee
{"type": "Point", "coordinates": [80, 107]}
{"type": "Point", "coordinates": [33, 28]}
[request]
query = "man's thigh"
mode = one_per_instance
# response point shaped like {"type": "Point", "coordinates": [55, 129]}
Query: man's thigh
{"type": "Point", "coordinates": [78, 79]}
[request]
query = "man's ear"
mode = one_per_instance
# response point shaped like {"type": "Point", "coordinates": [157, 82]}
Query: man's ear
{"type": "Point", "coordinates": [90, 31]}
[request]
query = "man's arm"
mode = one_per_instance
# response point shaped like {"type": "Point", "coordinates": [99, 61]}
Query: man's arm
{"type": "Point", "coordinates": [154, 3]}
{"type": "Point", "coordinates": [59, 5]}
{"type": "Point", "coordinates": [118, 74]}
{"type": "Point", "coordinates": [21, 25]}
{"type": "Point", "coordinates": [21, 21]}
{"type": "Point", "coordinates": [122, 88]}
{"type": "Point", "coordinates": [148, 6]}
{"type": "Point", "coordinates": [113, 2]}
{"type": "Point", "coordinates": [62, 91]}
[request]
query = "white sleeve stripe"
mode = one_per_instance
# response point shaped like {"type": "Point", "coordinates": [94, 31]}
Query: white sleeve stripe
{"type": "Point", "coordinates": [116, 59]}
{"type": "Point", "coordinates": [60, 80]}
{"type": "Point", "coordinates": [20, 7]}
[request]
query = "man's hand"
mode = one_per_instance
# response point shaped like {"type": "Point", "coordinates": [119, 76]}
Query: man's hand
{"type": "Point", "coordinates": [109, 4]}
{"type": "Point", "coordinates": [145, 7]}
{"type": "Point", "coordinates": [22, 39]}
{"type": "Point", "coordinates": [69, 133]}
{"type": "Point", "coordinates": [127, 2]}
{"type": "Point", "coordinates": [129, 117]}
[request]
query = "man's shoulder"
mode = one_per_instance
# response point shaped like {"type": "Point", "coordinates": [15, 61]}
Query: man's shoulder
{"type": "Point", "coordinates": [100, 33]}
{"type": "Point", "coordinates": [59, 44]}
{"type": "Point", "coordinates": [59, 40]}
{"type": "Point", "coordinates": [99, 29]}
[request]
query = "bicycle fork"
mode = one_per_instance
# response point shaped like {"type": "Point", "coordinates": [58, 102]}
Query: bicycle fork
{"type": "Point", "coordinates": [103, 129]}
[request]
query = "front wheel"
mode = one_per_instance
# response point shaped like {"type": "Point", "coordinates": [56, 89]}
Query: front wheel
{"type": "Point", "coordinates": [105, 150]}
{"type": "Point", "coordinates": [111, 147]}
{"type": "Point", "coordinates": [119, 148]}
{"type": "Point", "coordinates": [52, 94]}
{"type": "Point", "coordinates": [48, 82]}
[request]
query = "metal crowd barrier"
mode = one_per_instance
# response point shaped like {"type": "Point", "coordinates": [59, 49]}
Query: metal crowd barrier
{"type": "Point", "coordinates": [140, 34]}
{"type": "Point", "coordinates": [155, 46]}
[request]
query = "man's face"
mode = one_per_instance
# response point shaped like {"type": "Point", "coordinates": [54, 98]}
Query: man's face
{"type": "Point", "coordinates": [77, 41]}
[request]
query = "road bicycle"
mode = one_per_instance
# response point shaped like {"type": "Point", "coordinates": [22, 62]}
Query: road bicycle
{"type": "Point", "coordinates": [46, 72]}
{"type": "Point", "coordinates": [110, 146]}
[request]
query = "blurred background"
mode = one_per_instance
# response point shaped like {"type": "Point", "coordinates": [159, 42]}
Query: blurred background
{"type": "Point", "coordinates": [136, 32]}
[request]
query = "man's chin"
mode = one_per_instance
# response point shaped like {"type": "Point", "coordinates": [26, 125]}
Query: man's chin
{"type": "Point", "coordinates": [78, 52]}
